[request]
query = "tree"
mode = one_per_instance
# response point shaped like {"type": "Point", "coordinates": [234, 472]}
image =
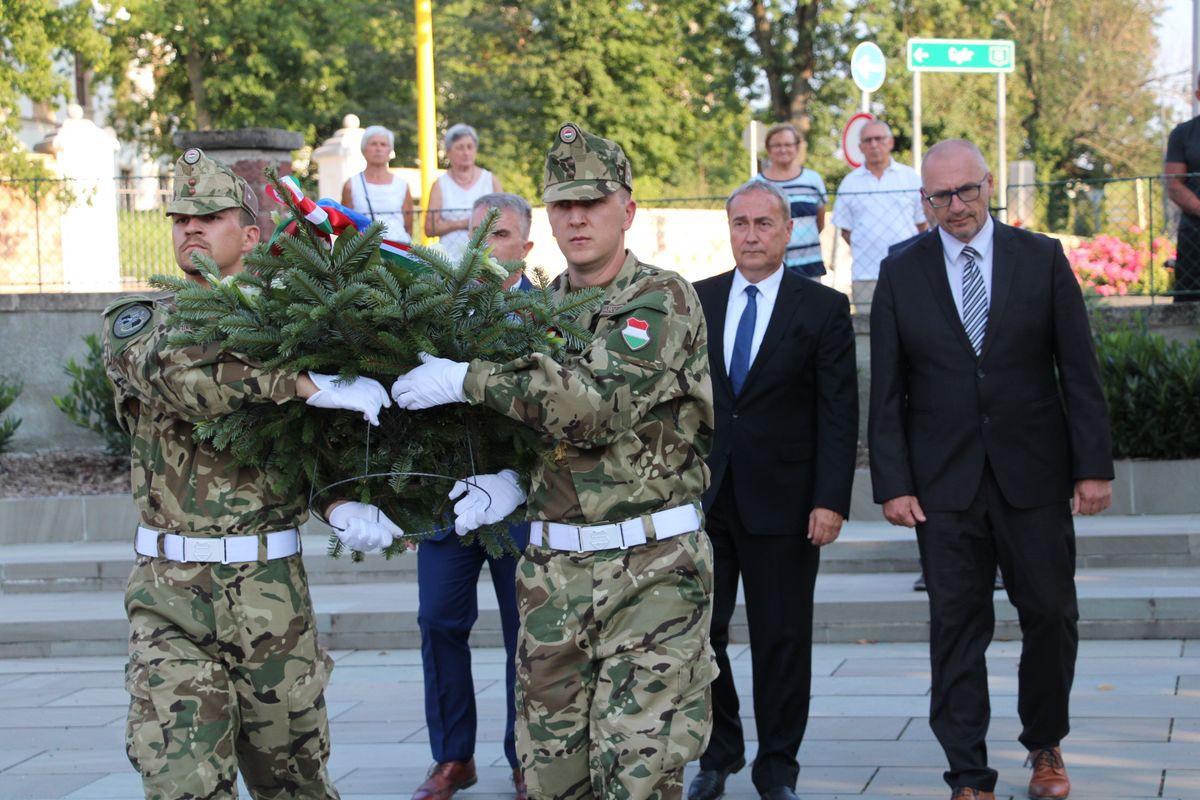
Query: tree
{"type": "Point", "coordinates": [658, 78]}
{"type": "Point", "coordinates": [34, 34]}
{"type": "Point", "coordinates": [217, 64]}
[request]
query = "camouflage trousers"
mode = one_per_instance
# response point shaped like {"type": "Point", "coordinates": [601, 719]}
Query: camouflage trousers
{"type": "Point", "coordinates": [613, 668]}
{"type": "Point", "coordinates": [225, 673]}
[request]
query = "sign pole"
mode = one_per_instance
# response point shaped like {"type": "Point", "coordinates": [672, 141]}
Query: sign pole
{"type": "Point", "coordinates": [753, 152]}
{"type": "Point", "coordinates": [916, 121]}
{"type": "Point", "coordinates": [866, 103]}
{"type": "Point", "coordinates": [1002, 153]}
{"type": "Point", "coordinates": [426, 122]}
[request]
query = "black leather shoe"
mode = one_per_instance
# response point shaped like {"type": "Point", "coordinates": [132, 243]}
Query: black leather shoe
{"type": "Point", "coordinates": [779, 793]}
{"type": "Point", "coordinates": [709, 784]}
{"type": "Point", "coordinates": [919, 583]}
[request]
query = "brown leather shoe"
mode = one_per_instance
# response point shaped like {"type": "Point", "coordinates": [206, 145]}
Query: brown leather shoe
{"type": "Point", "coordinates": [447, 778]}
{"type": "Point", "coordinates": [519, 784]}
{"type": "Point", "coordinates": [971, 793]}
{"type": "Point", "coordinates": [1049, 778]}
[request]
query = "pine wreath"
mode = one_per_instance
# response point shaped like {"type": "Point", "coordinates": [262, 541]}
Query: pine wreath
{"type": "Point", "coordinates": [352, 309]}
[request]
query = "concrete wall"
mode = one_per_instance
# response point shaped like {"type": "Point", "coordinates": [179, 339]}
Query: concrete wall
{"type": "Point", "coordinates": [38, 334]}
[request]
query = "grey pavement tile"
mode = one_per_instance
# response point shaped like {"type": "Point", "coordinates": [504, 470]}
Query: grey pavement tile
{"type": "Point", "coordinates": [896, 753]}
{"type": "Point", "coordinates": [385, 712]}
{"type": "Point", "coordinates": [62, 717]}
{"type": "Point", "coordinates": [59, 737]}
{"type": "Point", "coordinates": [885, 706]}
{"type": "Point", "coordinates": [71, 680]}
{"type": "Point", "coordinates": [1130, 706]}
{"type": "Point", "coordinates": [116, 697]}
{"type": "Point", "coordinates": [905, 667]}
{"type": "Point", "coordinates": [1181, 783]}
{"type": "Point", "coordinates": [379, 658]}
{"type": "Point", "coordinates": [1191, 648]}
{"type": "Point", "coordinates": [1004, 730]}
{"type": "Point", "coordinates": [1136, 665]}
{"type": "Point", "coordinates": [925, 782]}
{"type": "Point", "coordinates": [32, 698]}
{"type": "Point", "coordinates": [1138, 648]}
{"type": "Point", "coordinates": [373, 732]}
{"type": "Point", "coordinates": [1185, 729]}
{"type": "Point", "coordinates": [870, 685]}
{"type": "Point", "coordinates": [18, 755]}
{"type": "Point", "coordinates": [117, 786]}
{"type": "Point", "coordinates": [400, 781]}
{"type": "Point", "coordinates": [98, 759]}
{"type": "Point", "coordinates": [849, 729]}
{"type": "Point", "coordinates": [382, 689]}
{"type": "Point", "coordinates": [37, 666]}
{"type": "Point", "coordinates": [1189, 685]}
{"type": "Point", "coordinates": [44, 787]}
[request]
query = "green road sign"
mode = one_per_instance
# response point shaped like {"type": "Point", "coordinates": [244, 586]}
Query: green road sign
{"type": "Point", "coordinates": [961, 55]}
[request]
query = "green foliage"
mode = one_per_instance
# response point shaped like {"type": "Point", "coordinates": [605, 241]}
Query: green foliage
{"type": "Point", "coordinates": [89, 401]}
{"type": "Point", "coordinates": [303, 306]}
{"type": "Point", "coordinates": [33, 35]}
{"type": "Point", "coordinates": [659, 78]}
{"type": "Point", "coordinates": [9, 390]}
{"type": "Point", "coordinates": [1153, 392]}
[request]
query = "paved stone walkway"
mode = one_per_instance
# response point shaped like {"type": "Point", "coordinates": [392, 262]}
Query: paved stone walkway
{"type": "Point", "coordinates": [1136, 734]}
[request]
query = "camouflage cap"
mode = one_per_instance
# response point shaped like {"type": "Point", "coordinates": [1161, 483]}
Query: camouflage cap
{"type": "Point", "coordinates": [581, 166]}
{"type": "Point", "coordinates": [204, 186]}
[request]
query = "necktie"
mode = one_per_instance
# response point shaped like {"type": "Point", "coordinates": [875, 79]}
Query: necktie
{"type": "Point", "coordinates": [739, 363]}
{"type": "Point", "coordinates": [974, 300]}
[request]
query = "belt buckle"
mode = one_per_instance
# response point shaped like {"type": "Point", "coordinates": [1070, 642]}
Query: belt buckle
{"type": "Point", "coordinates": [200, 549]}
{"type": "Point", "coordinates": [601, 537]}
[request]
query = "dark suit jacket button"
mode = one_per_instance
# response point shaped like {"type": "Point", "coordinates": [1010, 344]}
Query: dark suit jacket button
{"type": "Point", "coordinates": [979, 374]}
{"type": "Point", "coordinates": [734, 415]}
{"type": "Point", "coordinates": [985, 419]}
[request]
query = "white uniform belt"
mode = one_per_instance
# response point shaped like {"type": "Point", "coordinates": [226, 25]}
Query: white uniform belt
{"type": "Point", "coordinates": [585, 538]}
{"type": "Point", "coordinates": [216, 549]}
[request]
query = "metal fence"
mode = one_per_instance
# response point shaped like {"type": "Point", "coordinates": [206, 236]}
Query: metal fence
{"type": "Point", "coordinates": [1119, 233]}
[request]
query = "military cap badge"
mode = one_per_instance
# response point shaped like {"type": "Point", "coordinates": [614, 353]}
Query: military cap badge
{"type": "Point", "coordinates": [191, 155]}
{"type": "Point", "coordinates": [567, 134]}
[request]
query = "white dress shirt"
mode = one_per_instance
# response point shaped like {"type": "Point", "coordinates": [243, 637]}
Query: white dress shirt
{"type": "Point", "coordinates": [955, 261]}
{"type": "Point", "coordinates": [878, 212]}
{"type": "Point", "coordinates": [768, 290]}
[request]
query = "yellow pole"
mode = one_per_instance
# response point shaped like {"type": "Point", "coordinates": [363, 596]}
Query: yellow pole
{"type": "Point", "coordinates": [426, 132]}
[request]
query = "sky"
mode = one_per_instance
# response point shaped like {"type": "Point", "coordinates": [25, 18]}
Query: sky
{"type": "Point", "coordinates": [1175, 57]}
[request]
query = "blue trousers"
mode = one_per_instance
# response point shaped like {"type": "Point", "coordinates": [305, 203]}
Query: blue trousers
{"type": "Point", "coordinates": [447, 574]}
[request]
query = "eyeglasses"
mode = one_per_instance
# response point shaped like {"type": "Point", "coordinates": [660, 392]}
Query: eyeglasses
{"type": "Point", "coordinates": [964, 193]}
{"type": "Point", "coordinates": [782, 146]}
{"type": "Point", "coordinates": [874, 140]}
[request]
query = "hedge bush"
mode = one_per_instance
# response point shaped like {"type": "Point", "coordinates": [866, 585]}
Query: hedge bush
{"type": "Point", "coordinates": [89, 401]}
{"type": "Point", "coordinates": [1153, 392]}
{"type": "Point", "coordinates": [9, 390]}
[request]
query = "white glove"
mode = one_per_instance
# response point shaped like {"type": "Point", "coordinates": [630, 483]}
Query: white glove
{"type": "Point", "coordinates": [487, 499]}
{"type": "Point", "coordinates": [363, 527]}
{"type": "Point", "coordinates": [360, 394]}
{"type": "Point", "coordinates": [436, 382]}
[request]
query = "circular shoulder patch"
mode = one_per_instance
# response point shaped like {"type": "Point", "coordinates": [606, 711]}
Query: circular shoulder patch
{"type": "Point", "coordinates": [192, 155]}
{"type": "Point", "coordinates": [567, 134]}
{"type": "Point", "coordinates": [130, 321]}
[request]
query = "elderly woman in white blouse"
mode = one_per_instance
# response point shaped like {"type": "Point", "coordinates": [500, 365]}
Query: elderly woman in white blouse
{"type": "Point", "coordinates": [455, 192]}
{"type": "Point", "coordinates": [378, 193]}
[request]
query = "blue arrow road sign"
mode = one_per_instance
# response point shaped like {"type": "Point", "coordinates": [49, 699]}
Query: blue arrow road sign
{"type": "Point", "coordinates": [867, 67]}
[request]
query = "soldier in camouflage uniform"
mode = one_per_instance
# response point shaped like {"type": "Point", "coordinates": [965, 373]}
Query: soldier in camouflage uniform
{"type": "Point", "coordinates": [224, 667]}
{"type": "Point", "coordinates": [614, 661]}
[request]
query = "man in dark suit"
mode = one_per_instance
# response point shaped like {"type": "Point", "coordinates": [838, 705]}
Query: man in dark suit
{"type": "Point", "coordinates": [781, 352]}
{"type": "Point", "coordinates": [988, 429]}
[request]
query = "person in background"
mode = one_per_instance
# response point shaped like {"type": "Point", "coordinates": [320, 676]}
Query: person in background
{"type": "Point", "coordinates": [510, 236]}
{"type": "Point", "coordinates": [225, 673]}
{"type": "Point", "coordinates": [805, 191]}
{"type": "Point", "coordinates": [1183, 187]}
{"type": "Point", "coordinates": [453, 194]}
{"type": "Point", "coordinates": [378, 193]}
{"type": "Point", "coordinates": [614, 662]}
{"type": "Point", "coordinates": [988, 429]}
{"type": "Point", "coordinates": [781, 356]}
{"type": "Point", "coordinates": [878, 205]}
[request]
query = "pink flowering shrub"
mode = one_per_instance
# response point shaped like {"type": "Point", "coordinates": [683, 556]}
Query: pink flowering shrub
{"type": "Point", "coordinates": [1110, 265]}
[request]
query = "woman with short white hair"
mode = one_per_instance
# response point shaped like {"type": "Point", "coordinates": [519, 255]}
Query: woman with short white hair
{"type": "Point", "coordinates": [455, 192]}
{"type": "Point", "coordinates": [378, 193]}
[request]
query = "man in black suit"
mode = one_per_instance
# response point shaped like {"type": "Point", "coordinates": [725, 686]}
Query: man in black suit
{"type": "Point", "coordinates": [988, 429]}
{"type": "Point", "coordinates": [781, 352]}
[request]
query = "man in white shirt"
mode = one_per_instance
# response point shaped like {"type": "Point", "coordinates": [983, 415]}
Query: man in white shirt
{"type": "Point", "coordinates": [877, 205]}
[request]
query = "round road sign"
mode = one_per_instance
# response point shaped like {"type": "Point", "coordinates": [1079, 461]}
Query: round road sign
{"type": "Point", "coordinates": [851, 151]}
{"type": "Point", "coordinates": [867, 67]}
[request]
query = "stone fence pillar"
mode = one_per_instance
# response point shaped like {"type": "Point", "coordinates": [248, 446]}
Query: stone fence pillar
{"type": "Point", "coordinates": [339, 158]}
{"type": "Point", "coordinates": [249, 151]}
{"type": "Point", "coordinates": [86, 158]}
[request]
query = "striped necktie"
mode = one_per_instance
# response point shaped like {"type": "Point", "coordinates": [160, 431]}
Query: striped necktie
{"type": "Point", "coordinates": [974, 300]}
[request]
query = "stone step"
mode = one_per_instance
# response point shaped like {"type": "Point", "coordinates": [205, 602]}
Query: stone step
{"type": "Point", "coordinates": [864, 547]}
{"type": "Point", "coordinates": [1115, 603]}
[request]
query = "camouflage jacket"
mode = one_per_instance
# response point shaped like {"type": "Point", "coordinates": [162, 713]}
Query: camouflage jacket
{"type": "Point", "coordinates": [180, 484]}
{"type": "Point", "coordinates": [628, 420]}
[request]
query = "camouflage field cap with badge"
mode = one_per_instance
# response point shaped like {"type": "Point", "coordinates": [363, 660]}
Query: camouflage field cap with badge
{"type": "Point", "coordinates": [205, 186]}
{"type": "Point", "coordinates": [581, 166]}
